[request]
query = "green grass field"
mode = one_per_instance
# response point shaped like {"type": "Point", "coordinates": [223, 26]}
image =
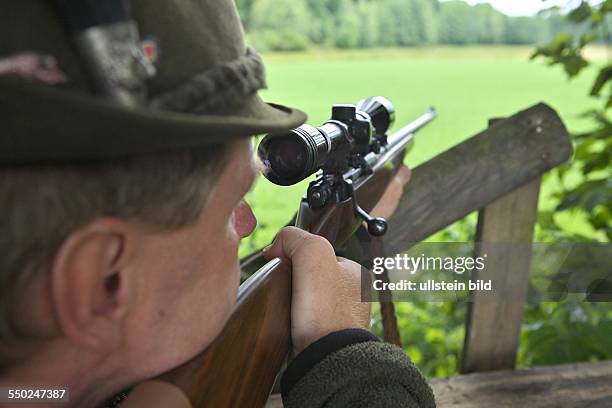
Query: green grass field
{"type": "Point", "coordinates": [467, 85]}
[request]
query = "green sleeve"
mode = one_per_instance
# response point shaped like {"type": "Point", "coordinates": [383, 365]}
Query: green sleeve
{"type": "Point", "coordinates": [369, 374]}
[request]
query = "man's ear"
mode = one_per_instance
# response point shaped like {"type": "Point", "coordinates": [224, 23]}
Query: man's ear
{"type": "Point", "coordinates": [89, 283]}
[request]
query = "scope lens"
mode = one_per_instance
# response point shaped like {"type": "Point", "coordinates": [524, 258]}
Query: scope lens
{"type": "Point", "coordinates": [293, 156]}
{"type": "Point", "coordinates": [286, 156]}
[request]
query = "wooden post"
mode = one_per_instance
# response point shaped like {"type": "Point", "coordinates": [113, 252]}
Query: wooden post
{"type": "Point", "coordinates": [558, 386]}
{"type": "Point", "coordinates": [504, 233]}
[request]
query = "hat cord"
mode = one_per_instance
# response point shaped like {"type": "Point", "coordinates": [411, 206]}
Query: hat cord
{"type": "Point", "coordinates": [217, 89]}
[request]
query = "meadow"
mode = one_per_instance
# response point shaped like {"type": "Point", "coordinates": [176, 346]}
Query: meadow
{"type": "Point", "coordinates": [467, 85]}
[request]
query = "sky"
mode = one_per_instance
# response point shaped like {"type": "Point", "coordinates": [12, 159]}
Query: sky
{"type": "Point", "coordinates": [519, 7]}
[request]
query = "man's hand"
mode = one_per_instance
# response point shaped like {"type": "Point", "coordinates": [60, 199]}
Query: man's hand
{"type": "Point", "coordinates": [33, 66]}
{"type": "Point", "coordinates": [326, 290]}
{"type": "Point", "coordinates": [390, 199]}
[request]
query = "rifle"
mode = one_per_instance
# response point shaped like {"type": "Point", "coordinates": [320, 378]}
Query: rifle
{"type": "Point", "coordinates": [356, 160]}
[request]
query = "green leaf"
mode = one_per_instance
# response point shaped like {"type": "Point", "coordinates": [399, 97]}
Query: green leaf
{"type": "Point", "coordinates": [605, 74]}
{"type": "Point", "coordinates": [546, 219]}
{"type": "Point", "coordinates": [584, 149]}
{"type": "Point", "coordinates": [606, 6]}
{"type": "Point", "coordinates": [588, 195]}
{"type": "Point", "coordinates": [597, 161]}
{"type": "Point", "coordinates": [571, 200]}
{"type": "Point", "coordinates": [596, 198]}
{"type": "Point", "coordinates": [580, 13]}
{"type": "Point", "coordinates": [601, 219]}
{"type": "Point", "coordinates": [573, 63]}
{"type": "Point", "coordinates": [556, 48]}
{"type": "Point", "coordinates": [597, 18]}
{"type": "Point", "coordinates": [588, 38]}
{"type": "Point", "coordinates": [415, 354]}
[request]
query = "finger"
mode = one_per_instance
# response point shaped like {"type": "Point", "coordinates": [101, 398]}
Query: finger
{"type": "Point", "coordinates": [403, 175]}
{"type": "Point", "coordinates": [291, 239]}
{"type": "Point", "coordinates": [50, 77]}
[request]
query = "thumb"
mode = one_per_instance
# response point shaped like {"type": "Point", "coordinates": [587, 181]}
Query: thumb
{"type": "Point", "coordinates": [292, 240]}
{"type": "Point", "coordinates": [285, 243]}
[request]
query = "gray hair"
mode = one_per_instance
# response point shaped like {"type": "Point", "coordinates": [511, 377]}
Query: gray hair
{"type": "Point", "coordinates": [41, 205]}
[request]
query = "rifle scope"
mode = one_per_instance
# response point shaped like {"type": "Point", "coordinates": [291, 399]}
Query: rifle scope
{"type": "Point", "coordinates": [352, 130]}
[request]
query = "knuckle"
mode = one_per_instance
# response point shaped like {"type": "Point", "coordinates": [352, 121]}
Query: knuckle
{"type": "Point", "coordinates": [286, 234]}
{"type": "Point", "coordinates": [286, 231]}
{"type": "Point", "coordinates": [318, 243]}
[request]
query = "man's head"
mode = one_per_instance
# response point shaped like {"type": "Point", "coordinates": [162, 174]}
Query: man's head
{"type": "Point", "coordinates": [121, 223]}
{"type": "Point", "coordinates": [51, 211]}
{"type": "Point", "coordinates": [128, 268]}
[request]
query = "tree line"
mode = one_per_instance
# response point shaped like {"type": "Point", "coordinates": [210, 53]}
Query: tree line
{"type": "Point", "coordinates": [282, 25]}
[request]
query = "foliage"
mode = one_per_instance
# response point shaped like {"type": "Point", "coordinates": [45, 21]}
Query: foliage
{"type": "Point", "coordinates": [347, 23]}
{"type": "Point", "coordinates": [592, 195]}
{"type": "Point", "coordinates": [557, 333]}
{"type": "Point", "coordinates": [454, 26]}
{"type": "Point", "coordinates": [525, 30]}
{"type": "Point", "coordinates": [440, 76]}
{"type": "Point", "coordinates": [281, 25]}
{"type": "Point", "coordinates": [369, 24]}
{"type": "Point", "coordinates": [432, 334]}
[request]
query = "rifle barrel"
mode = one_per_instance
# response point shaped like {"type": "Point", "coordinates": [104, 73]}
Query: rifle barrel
{"type": "Point", "coordinates": [395, 144]}
{"type": "Point", "coordinates": [399, 139]}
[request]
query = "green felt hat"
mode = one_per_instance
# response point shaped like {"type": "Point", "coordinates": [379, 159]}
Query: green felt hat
{"type": "Point", "coordinates": [204, 91]}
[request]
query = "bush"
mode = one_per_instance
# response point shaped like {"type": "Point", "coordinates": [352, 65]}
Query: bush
{"type": "Point", "coordinates": [271, 40]}
{"type": "Point", "coordinates": [278, 25]}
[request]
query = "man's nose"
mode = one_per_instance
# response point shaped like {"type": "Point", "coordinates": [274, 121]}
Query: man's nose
{"type": "Point", "coordinates": [245, 220]}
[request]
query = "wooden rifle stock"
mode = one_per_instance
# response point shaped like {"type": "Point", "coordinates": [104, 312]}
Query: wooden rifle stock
{"type": "Point", "coordinates": [239, 367]}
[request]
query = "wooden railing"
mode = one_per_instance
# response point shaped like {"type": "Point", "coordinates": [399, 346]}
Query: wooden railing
{"type": "Point", "coordinates": [497, 173]}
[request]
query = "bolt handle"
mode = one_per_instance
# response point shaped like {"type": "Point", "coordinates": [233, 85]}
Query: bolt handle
{"type": "Point", "coordinates": [377, 226]}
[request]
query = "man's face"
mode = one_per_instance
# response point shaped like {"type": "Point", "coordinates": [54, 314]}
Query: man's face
{"type": "Point", "coordinates": [189, 278]}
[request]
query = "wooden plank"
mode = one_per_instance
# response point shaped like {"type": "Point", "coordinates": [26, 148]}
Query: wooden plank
{"type": "Point", "coordinates": [493, 324]}
{"type": "Point", "coordinates": [561, 386]}
{"type": "Point", "coordinates": [472, 174]}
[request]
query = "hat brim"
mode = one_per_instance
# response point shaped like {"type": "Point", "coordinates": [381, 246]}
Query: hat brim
{"type": "Point", "coordinates": [44, 124]}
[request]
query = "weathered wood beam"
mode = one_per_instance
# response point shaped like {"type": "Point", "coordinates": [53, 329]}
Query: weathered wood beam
{"type": "Point", "coordinates": [561, 386]}
{"type": "Point", "coordinates": [472, 174]}
{"type": "Point", "coordinates": [492, 328]}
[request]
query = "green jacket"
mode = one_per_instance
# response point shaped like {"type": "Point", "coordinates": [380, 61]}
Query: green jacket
{"type": "Point", "coordinates": [352, 368]}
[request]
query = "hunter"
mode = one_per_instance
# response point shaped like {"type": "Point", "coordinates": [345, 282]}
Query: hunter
{"type": "Point", "coordinates": [121, 223]}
